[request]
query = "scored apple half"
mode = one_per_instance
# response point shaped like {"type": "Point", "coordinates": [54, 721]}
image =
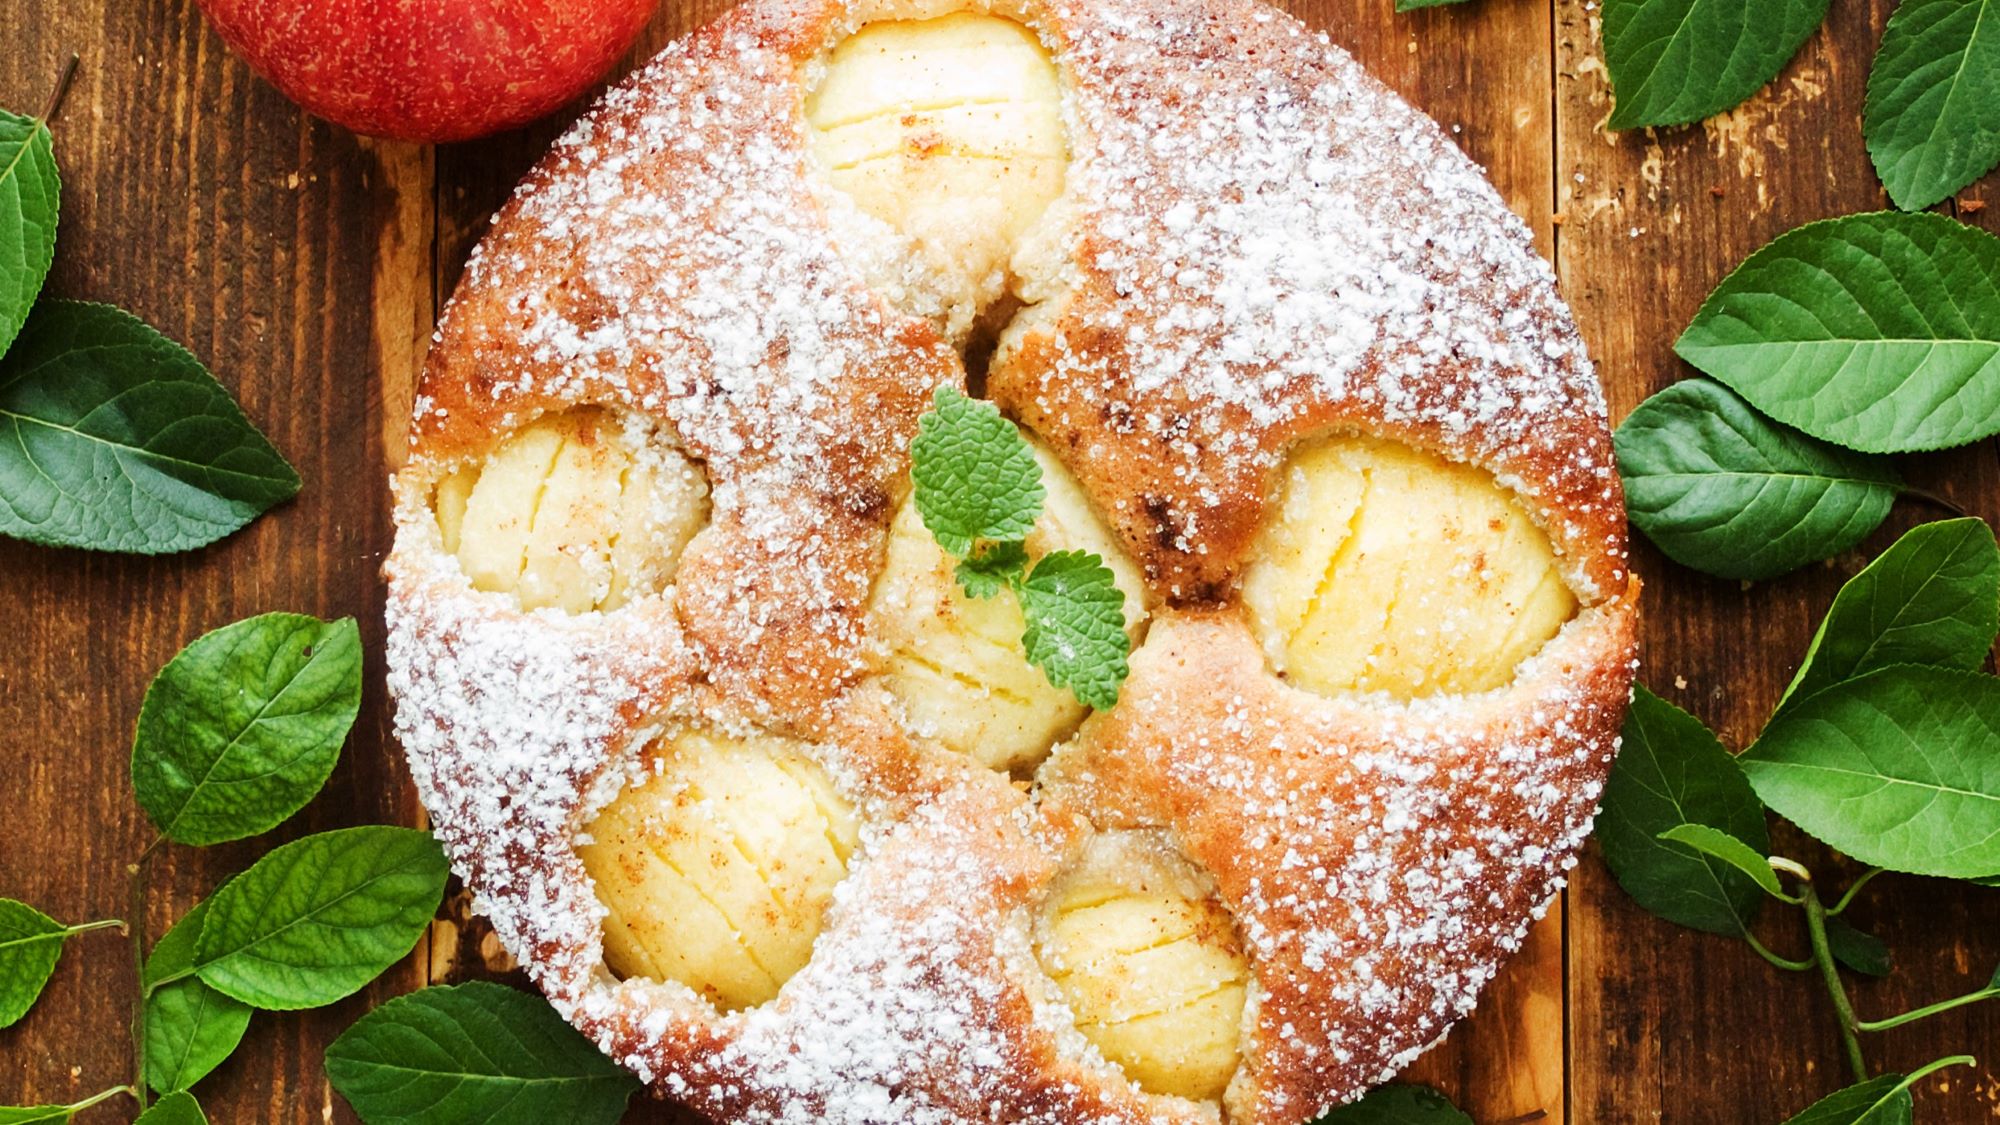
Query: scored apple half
{"type": "Point", "coordinates": [578, 511]}
{"type": "Point", "coordinates": [1150, 964]}
{"type": "Point", "coordinates": [716, 871]}
{"type": "Point", "coordinates": [949, 130]}
{"type": "Point", "coordinates": [1387, 569]}
{"type": "Point", "coordinates": [957, 662]}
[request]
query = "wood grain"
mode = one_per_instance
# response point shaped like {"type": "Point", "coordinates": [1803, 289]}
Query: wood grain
{"type": "Point", "coordinates": [1668, 1024]}
{"type": "Point", "coordinates": [307, 267]}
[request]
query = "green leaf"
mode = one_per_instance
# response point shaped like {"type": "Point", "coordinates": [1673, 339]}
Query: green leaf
{"type": "Point", "coordinates": [1673, 771]}
{"type": "Point", "coordinates": [1882, 1100]}
{"type": "Point", "coordinates": [1413, 5]}
{"type": "Point", "coordinates": [1076, 626]}
{"type": "Point", "coordinates": [474, 1052]}
{"type": "Point", "coordinates": [1857, 949]}
{"type": "Point", "coordinates": [243, 727]}
{"type": "Point", "coordinates": [190, 1027]}
{"type": "Point", "coordinates": [318, 918]}
{"type": "Point", "coordinates": [34, 1114]}
{"type": "Point", "coordinates": [1722, 489]}
{"type": "Point", "coordinates": [992, 570]}
{"type": "Point", "coordinates": [1721, 845]}
{"type": "Point", "coordinates": [974, 474]}
{"type": "Point", "coordinates": [1899, 768]}
{"type": "Point", "coordinates": [173, 955]}
{"type": "Point", "coordinates": [190, 1030]}
{"type": "Point", "coordinates": [174, 1109]}
{"type": "Point", "coordinates": [114, 438]}
{"type": "Point", "coordinates": [1990, 881]}
{"type": "Point", "coordinates": [1398, 1105]}
{"type": "Point", "coordinates": [30, 944]}
{"type": "Point", "coordinates": [30, 198]}
{"type": "Point", "coordinates": [1879, 332]}
{"type": "Point", "coordinates": [1932, 598]}
{"type": "Point", "coordinates": [1932, 121]}
{"type": "Point", "coordinates": [1676, 61]}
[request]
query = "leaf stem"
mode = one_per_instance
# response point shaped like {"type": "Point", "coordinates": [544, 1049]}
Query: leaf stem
{"type": "Point", "coordinates": [106, 924]}
{"type": "Point", "coordinates": [1936, 498]}
{"type": "Point", "coordinates": [1930, 1068]}
{"type": "Point", "coordinates": [1928, 1010]}
{"type": "Point", "coordinates": [1854, 888]}
{"type": "Point", "coordinates": [138, 931]}
{"type": "Point", "coordinates": [1785, 963]}
{"type": "Point", "coordinates": [103, 1096]}
{"type": "Point", "coordinates": [62, 88]}
{"type": "Point", "coordinates": [1830, 973]}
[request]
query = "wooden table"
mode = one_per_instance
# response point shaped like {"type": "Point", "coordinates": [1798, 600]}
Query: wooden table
{"type": "Point", "coordinates": [306, 266]}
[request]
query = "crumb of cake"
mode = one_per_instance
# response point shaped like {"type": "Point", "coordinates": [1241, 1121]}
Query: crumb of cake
{"type": "Point", "coordinates": [716, 871]}
{"type": "Point", "coordinates": [575, 511]}
{"type": "Point", "coordinates": [957, 662]}
{"type": "Point", "coordinates": [1150, 965]}
{"type": "Point", "coordinates": [1386, 569]}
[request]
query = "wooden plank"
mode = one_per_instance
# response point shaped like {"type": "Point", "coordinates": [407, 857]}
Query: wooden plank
{"type": "Point", "coordinates": [199, 198]}
{"type": "Point", "coordinates": [1668, 1024]}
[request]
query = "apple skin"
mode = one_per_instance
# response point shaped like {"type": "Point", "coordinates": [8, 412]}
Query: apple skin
{"type": "Point", "coordinates": [430, 70]}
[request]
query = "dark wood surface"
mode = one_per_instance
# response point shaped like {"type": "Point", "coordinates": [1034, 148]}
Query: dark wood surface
{"type": "Point", "coordinates": [306, 265]}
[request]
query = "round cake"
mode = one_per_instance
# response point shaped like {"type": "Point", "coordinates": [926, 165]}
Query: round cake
{"type": "Point", "coordinates": [785, 820]}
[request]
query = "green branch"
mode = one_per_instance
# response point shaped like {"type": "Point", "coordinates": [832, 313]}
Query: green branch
{"type": "Point", "coordinates": [1829, 972]}
{"type": "Point", "coordinates": [1987, 993]}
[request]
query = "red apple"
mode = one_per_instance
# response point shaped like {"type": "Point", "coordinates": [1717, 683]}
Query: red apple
{"type": "Point", "coordinates": [430, 70]}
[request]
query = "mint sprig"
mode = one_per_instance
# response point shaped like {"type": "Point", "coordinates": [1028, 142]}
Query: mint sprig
{"type": "Point", "coordinates": [979, 490]}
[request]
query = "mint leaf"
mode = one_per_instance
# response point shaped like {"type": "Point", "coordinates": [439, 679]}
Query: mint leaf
{"type": "Point", "coordinates": [318, 918]}
{"type": "Point", "coordinates": [1722, 489]}
{"type": "Point", "coordinates": [1718, 844]}
{"type": "Point", "coordinates": [1879, 332]}
{"type": "Point", "coordinates": [1857, 949]}
{"type": "Point", "coordinates": [1398, 1105]}
{"type": "Point", "coordinates": [1673, 771]}
{"type": "Point", "coordinates": [30, 198]}
{"type": "Point", "coordinates": [1076, 626]}
{"type": "Point", "coordinates": [1932, 121]}
{"type": "Point", "coordinates": [243, 727]}
{"type": "Point", "coordinates": [1882, 1100]}
{"type": "Point", "coordinates": [1899, 768]}
{"type": "Point", "coordinates": [30, 945]}
{"type": "Point", "coordinates": [474, 1052]}
{"type": "Point", "coordinates": [1676, 61]}
{"type": "Point", "coordinates": [114, 438]}
{"type": "Point", "coordinates": [974, 474]}
{"type": "Point", "coordinates": [1932, 598]}
{"type": "Point", "coordinates": [174, 1109]}
{"type": "Point", "coordinates": [992, 570]}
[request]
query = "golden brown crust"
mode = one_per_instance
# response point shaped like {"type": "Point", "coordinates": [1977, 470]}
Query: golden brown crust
{"type": "Point", "coordinates": [1258, 244]}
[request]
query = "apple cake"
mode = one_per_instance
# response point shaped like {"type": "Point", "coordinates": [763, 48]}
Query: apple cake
{"type": "Point", "coordinates": [785, 821]}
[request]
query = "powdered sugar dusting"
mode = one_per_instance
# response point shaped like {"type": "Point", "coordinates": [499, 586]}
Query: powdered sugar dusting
{"type": "Point", "coordinates": [1259, 244]}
